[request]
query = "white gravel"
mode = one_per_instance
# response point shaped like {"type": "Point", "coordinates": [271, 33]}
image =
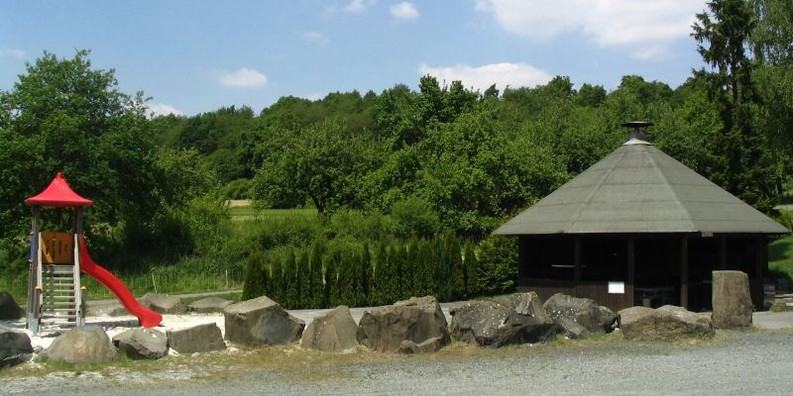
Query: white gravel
{"type": "Point", "coordinates": [735, 363]}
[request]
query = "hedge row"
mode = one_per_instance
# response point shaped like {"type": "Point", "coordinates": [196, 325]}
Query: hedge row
{"type": "Point", "coordinates": [325, 276]}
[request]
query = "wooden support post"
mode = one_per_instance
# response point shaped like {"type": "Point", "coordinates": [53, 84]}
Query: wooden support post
{"type": "Point", "coordinates": [722, 252]}
{"type": "Point", "coordinates": [684, 272]}
{"type": "Point", "coordinates": [577, 261]}
{"type": "Point", "coordinates": [629, 287]}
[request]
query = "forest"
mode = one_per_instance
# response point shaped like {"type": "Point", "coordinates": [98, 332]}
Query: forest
{"type": "Point", "coordinates": [394, 182]}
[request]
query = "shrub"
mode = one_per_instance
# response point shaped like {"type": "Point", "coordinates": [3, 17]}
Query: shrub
{"type": "Point", "coordinates": [414, 217]}
{"type": "Point", "coordinates": [497, 269]}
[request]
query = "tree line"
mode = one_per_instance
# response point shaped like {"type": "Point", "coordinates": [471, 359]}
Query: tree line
{"type": "Point", "coordinates": [439, 158]}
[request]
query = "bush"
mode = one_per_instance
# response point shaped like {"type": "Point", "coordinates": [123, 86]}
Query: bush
{"type": "Point", "coordinates": [238, 189]}
{"type": "Point", "coordinates": [497, 269]}
{"type": "Point", "coordinates": [414, 216]}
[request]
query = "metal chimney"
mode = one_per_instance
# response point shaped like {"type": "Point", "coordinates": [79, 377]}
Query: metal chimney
{"type": "Point", "coordinates": [636, 130]}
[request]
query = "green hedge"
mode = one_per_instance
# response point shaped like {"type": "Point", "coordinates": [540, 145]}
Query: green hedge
{"type": "Point", "coordinates": [326, 275]}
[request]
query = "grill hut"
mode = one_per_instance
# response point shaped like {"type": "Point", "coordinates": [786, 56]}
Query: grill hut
{"type": "Point", "coordinates": [639, 228]}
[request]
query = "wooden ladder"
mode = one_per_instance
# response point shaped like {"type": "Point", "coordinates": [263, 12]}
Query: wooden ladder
{"type": "Point", "coordinates": [59, 297]}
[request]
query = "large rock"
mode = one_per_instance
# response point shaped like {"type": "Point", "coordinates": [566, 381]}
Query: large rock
{"type": "Point", "coordinates": [142, 343]}
{"type": "Point", "coordinates": [261, 321]}
{"type": "Point", "coordinates": [732, 300]}
{"type": "Point", "coordinates": [9, 309]}
{"type": "Point", "coordinates": [332, 332]}
{"type": "Point", "coordinates": [515, 319]}
{"type": "Point", "coordinates": [202, 338]}
{"type": "Point", "coordinates": [15, 347]}
{"type": "Point", "coordinates": [163, 303]}
{"type": "Point", "coordinates": [428, 346]}
{"type": "Point", "coordinates": [81, 345]}
{"type": "Point", "coordinates": [417, 320]}
{"type": "Point", "coordinates": [580, 317]}
{"type": "Point", "coordinates": [209, 305]}
{"type": "Point", "coordinates": [667, 323]}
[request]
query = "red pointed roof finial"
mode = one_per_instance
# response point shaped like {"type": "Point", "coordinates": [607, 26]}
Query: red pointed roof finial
{"type": "Point", "coordinates": [58, 194]}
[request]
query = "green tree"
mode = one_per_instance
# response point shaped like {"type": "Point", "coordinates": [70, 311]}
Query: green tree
{"type": "Point", "coordinates": [469, 274]}
{"type": "Point", "coordinates": [366, 275]}
{"type": "Point", "coordinates": [256, 281]}
{"type": "Point", "coordinates": [290, 295]}
{"type": "Point", "coordinates": [723, 34]}
{"type": "Point", "coordinates": [324, 162]}
{"type": "Point", "coordinates": [772, 43]}
{"type": "Point", "coordinates": [63, 115]}
{"type": "Point", "coordinates": [498, 265]}
{"type": "Point", "coordinates": [315, 285]}
{"type": "Point", "coordinates": [303, 279]}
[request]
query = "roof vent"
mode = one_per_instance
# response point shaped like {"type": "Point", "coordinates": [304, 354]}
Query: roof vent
{"type": "Point", "coordinates": [636, 132]}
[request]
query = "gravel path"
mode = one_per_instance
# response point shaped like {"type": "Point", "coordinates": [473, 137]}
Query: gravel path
{"type": "Point", "coordinates": [736, 363]}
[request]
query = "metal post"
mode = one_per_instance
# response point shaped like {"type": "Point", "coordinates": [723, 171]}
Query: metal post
{"type": "Point", "coordinates": [34, 275]}
{"type": "Point", "coordinates": [78, 291]}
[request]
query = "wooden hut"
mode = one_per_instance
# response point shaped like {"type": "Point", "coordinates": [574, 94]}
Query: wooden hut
{"type": "Point", "coordinates": [640, 228]}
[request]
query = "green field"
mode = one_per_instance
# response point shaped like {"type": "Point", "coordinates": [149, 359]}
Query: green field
{"type": "Point", "coordinates": [247, 212]}
{"type": "Point", "coordinates": [780, 258]}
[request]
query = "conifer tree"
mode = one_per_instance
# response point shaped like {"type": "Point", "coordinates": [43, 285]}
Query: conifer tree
{"type": "Point", "coordinates": [366, 275]}
{"type": "Point", "coordinates": [255, 282]}
{"type": "Point", "coordinates": [330, 276]}
{"type": "Point", "coordinates": [277, 278]}
{"type": "Point", "coordinates": [380, 286]}
{"type": "Point", "coordinates": [290, 281]}
{"type": "Point", "coordinates": [302, 279]}
{"type": "Point", "coordinates": [315, 283]}
{"type": "Point", "coordinates": [723, 34]}
{"type": "Point", "coordinates": [424, 273]}
{"type": "Point", "coordinates": [469, 273]}
{"type": "Point", "coordinates": [456, 268]}
{"type": "Point", "coordinates": [345, 292]}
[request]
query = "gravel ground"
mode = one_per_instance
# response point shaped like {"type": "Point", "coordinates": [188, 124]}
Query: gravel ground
{"type": "Point", "coordinates": [735, 363]}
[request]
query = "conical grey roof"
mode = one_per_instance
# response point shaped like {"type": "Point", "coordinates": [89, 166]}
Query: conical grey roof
{"type": "Point", "coordinates": [640, 189]}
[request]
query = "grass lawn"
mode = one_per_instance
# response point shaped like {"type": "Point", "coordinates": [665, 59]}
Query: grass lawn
{"type": "Point", "coordinates": [780, 256]}
{"type": "Point", "coordinates": [244, 212]}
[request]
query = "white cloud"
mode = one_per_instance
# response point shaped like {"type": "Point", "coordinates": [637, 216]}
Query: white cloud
{"type": "Point", "coordinates": [315, 37]}
{"type": "Point", "coordinates": [482, 77]}
{"type": "Point", "coordinates": [162, 109]}
{"type": "Point", "coordinates": [358, 5]}
{"type": "Point", "coordinates": [631, 23]}
{"type": "Point", "coordinates": [313, 96]}
{"type": "Point", "coordinates": [404, 10]}
{"type": "Point", "coordinates": [243, 78]}
{"type": "Point", "coordinates": [16, 54]}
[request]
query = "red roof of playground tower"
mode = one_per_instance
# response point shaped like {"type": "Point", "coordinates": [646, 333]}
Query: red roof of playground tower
{"type": "Point", "coordinates": [58, 194]}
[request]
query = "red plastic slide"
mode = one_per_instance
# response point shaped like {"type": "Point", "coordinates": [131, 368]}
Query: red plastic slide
{"type": "Point", "coordinates": [147, 318]}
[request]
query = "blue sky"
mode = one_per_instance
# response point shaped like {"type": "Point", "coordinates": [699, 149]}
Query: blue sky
{"type": "Point", "coordinates": [194, 56]}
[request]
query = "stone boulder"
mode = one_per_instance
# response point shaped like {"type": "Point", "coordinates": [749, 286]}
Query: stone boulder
{"type": "Point", "coordinates": [142, 343]}
{"type": "Point", "coordinates": [667, 323]}
{"type": "Point", "coordinates": [431, 345]}
{"type": "Point", "coordinates": [209, 305]}
{"type": "Point", "coordinates": [580, 317]}
{"type": "Point", "coordinates": [9, 309]}
{"type": "Point", "coordinates": [81, 345]}
{"type": "Point", "coordinates": [515, 319]}
{"type": "Point", "coordinates": [417, 320]}
{"type": "Point", "coordinates": [732, 300]}
{"type": "Point", "coordinates": [261, 321]}
{"type": "Point", "coordinates": [332, 332]}
{"type": "Point", "coordinates": [15, 347]}
{"type": "Point", "coordinates": [202, 338]}
{"type": "Point", "coordinates": [163, 303]}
